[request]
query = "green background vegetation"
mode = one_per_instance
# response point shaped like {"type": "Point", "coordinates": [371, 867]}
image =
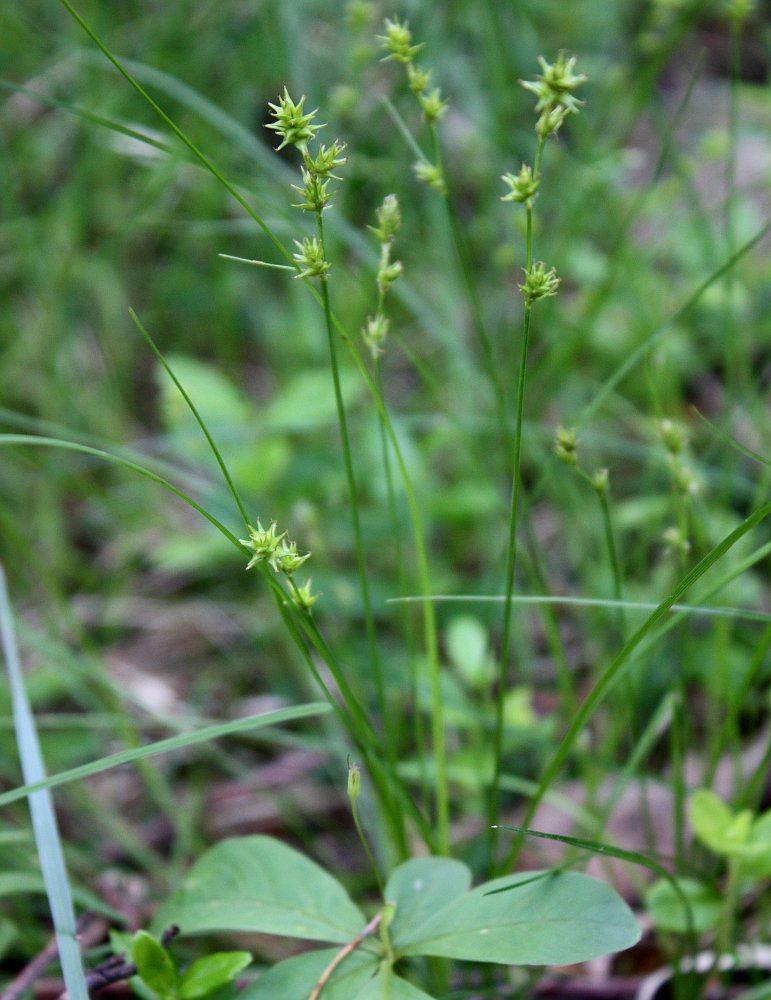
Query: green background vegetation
{"type": "Point", "coordinates": [137, 617]}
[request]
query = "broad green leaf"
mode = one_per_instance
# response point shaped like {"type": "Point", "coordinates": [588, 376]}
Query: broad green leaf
{"type": "Point", "coordinates": [668, 913]}
{"type": "Point", "coordinates": [467, 646]}
{"type": "Point", "coordinates": [211, 972]}
{"type": "Point", "coordinates": [419, 888]}
{"type": "Point", "coordinates": [710, 819]}
{"type": "Point", "coordinates": [388, 986]}
{"type": "Point", "coordinates": [258, 884]}
{"type": "Point", "coordinates": [154, 964]}
{"type": "Point", "coordinates": [308, 400]}
{"type": "Point", "coordinates": [756, 861]}
{"type": "Point", "coordinates": [218, 400]}
{"type": "Point", "coordinates": [295, 978]}
{"type": "Point", "coordinates": [545, 919]}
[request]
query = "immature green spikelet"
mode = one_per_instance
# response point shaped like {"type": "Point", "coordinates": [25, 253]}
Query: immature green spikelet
{"type": "Point", "coordinates": [274, 549]}
{"type": "Point", "coordinates": [388, 217]}
{"type": "Point", "coordinates": [523, 186]}
{"type": "Point", "coordinates": [303, 598]}
{"type": "Point", "coordinates": [264, 544]}
{"type": "Point", "coordinates": [292, 124]}
{"type": "Point", "coordinates": [398, 43]}
{"type": "Point", "coordinates": [294, 127]}
{"type": "Point", "coordinates": [539, 283]}
{"type": "Point", "coordinates": [310, 258]}
{"type": "Point", "coordinates": [566, 445]}
{"type": "Point", "coordinates": [554, 89]}
{"type": "Point", "coordinates": [431, 174]}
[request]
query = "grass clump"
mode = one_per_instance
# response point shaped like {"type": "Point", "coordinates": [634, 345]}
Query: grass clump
{"type": "Point", "coordinates": [539, 579]}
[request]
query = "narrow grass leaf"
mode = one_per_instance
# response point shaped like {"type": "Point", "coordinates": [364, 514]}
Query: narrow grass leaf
{"type": "Point", "coordinates": [194, 410]}
{"type": "Point", "coordinates": [205, 735]}
{"type": "Point", "coordinates": [107, 456]}
{"type": "Point", "coordinates": [44, 824]}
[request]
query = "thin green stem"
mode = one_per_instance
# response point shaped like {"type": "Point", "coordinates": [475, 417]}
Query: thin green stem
{"type": "Point", "coordinates": [511, 549]}
{"type": "Point", "coordinates": [417, 717]}
{"type": "Point", "coordinates": [611, 674]}
{"type": "Point", "coordinates": [342, 419]}
{"type": "Point", "coordinates": [615, 566]}
{"type": "Point", "coordinates": [365, 845]}
{"type": "Point", "coordinates": [511, 563]}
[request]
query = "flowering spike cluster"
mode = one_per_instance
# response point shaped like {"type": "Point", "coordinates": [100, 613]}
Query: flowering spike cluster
{"type": "Point", "coordinates": [398, 42]}
{"type": "Point", "coordinates": [295, 129]}
{"type": "Point", "coordinates": [389, 219]}
{"type": "Point", "coordinates": [310, 259]}
{"type": "Point", "coordinates": [268, 546]}
{"type": "Point", "coordinates": [291, 124]}
{"type": "Point", "coordinates": [523, 186]}
{"type": "Point", "coordinates": [566, 445]}
{"type": "Point", "coordinates": [302, 597]}
{"type": "Point", "coordinates": [431, 174]}
{"type": "Point", "coordinates": [539, 283]}
{"type": "Point", "coordinates": [554, 89]}
{"type": "Point", "coordinates": [675, 441]}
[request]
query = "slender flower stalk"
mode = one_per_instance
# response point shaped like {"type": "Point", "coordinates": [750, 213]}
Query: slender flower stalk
{"type": "Point", "coordinates": [295, 127]}
{"type": "Point", "coordinates": [555, 101]}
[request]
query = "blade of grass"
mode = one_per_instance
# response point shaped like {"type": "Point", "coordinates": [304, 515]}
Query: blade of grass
{"type": "Point", "coordinates": [640, 352]}
{"type": "Point", "coordinates": [47, 839]}
{"type": "Point", "coordinates": [745, 614]}
{"type": "Point", "coordinates": [612, 672]}
{"type": "Point", "coordinates": [199, 420]}
{"type": "Point", "coordinates": [35, 440]}
{"type": "Point", "coordinates": [180, 742]}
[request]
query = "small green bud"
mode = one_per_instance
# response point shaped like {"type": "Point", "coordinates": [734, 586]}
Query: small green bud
{"type": "Point", "coordinates": [675, 543]}
{"type": "Point", "coordinates": [265, 544]}
{"type": "Point", "coordinates": [550, 121]}
{"type": "Point", "coordinates": [554, 86]}
{"type": "Point", "coordinates": [389, 270]}
{"type": "Point", "coordinates": [600, 481]}
{"type": "Point", "coordinates": [327, 160]}
{"type": "Point", "coordinates": [684, 480]}
{"type": "Point", "coordinates": [310, 258]}
{"type": "Point", "coordinates": [539, 283]}
{"type": "Point", "coordinates": [354, 781]}
{"type": "Point", "coordinates": [288, 559]}
{"type": "Point", "coordinates": [388, 913]}
{"type": "Point", "coordinates": [566, 445]}
{"type": "Point", "coordinates": [417, 78]}
{"type": "Point", "coordinates": [433, 106]}
{"type": "Point", "coordinates": [375, 333]}
{"type": "Point", "coordinates": [431, 174]}
{"type": "Point", "coordinates": [673, 437]}
{"type": "Point", "coordinates": [292, 124]}
{"type": "Point", "coordinates": [389, 218]}
{"type": "Point", "coordinates": [398, 41]}
{"type": "Point", "coordinates": [314, 192]}
{"type": "Point", "coordinates": [523, 185]}
{"type": "Point", "coordinates": [302, 597]}
{"type": "Point", "coordinates": [360, 14]}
